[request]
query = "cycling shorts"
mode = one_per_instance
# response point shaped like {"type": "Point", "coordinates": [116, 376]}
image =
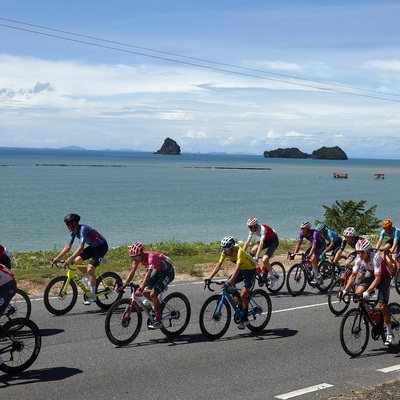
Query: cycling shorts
{"type": "Point", "coordinates": [383, 287]}
{"type": "Point", "coordinates": [271, 245]}
{"type": "Point", "coordinates": [247, 276]}
{"type": "Point", "coordinates": [95, 253]}
{"type": "Point", "coordinates": [159, 280]}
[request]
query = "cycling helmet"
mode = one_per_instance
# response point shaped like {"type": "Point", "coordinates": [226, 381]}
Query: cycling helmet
{"type": "Point", "coordinates": [136, 249]}
{"type": "Point", "coordinates": [253, 221]}
{"type": "Point", "coordinates": [305, 224]}
{"type": "Point", "coordinates": [320, 227]}
{"type": "Point", "coordinates": [387, 223]}
{"type": "Point", "coordinates": [227, 242]}
{"type": "Point", "coordinates": [350, 231]}
{"type": "Point", "coordinates": [363, 245]}
{"type": "Point", "coordinates": [72, 218]}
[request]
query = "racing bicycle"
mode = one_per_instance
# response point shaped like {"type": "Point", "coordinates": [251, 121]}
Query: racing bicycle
{"type": "Point", "coordinates": [216, 312]}
{"type": "Point", "coordinates": [20, 306]}
{"type": "Point", "coordinates": [125, 317]}
{"type": "Point", "coordinates": [301, 273]}
{"type": "Point", "coordinates": [20, 343]}
{"type": "Point", "coordinates": [280, 273]}
{"type": "Point", "coordinates": [357, 324]}
{"type": "Point", "coordinates": [61, 293]}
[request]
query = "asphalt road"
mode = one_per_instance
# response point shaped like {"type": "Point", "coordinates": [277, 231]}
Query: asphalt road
{"type": "Point", "coordinates": [298, 352]}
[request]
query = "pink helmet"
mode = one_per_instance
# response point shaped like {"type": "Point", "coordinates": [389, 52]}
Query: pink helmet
{"type": "Point", "coordinates": [253, 221]}
{"type": "Point", "coordinates": [136, 249]}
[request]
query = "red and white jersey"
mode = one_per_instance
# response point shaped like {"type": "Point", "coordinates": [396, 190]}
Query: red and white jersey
{"type": "Point", "coordinates": [375, 266]}
{"type": "Point", "coordinates": [263, 231]}
{"type": "Point", "coordinates": [5, 275]}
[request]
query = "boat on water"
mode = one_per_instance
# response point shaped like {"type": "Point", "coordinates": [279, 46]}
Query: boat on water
{"type": "Point", "coordinates": [340, 175]}
{"type": "Point", "coordinates": [379, 176]}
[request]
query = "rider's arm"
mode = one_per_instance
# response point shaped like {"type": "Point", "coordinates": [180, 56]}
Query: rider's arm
{"type": "Point", "coordinates": [215, 270]}
{"type": "Point", "coordinates": [75, 254]}
{"type": "Point", "coordinates": [351, 281]}
{"type": "Point", "coordinates": [231, 280]}
{"type": "Point", "coordinates": [146, 279]}
{"type": "Point", "coordinates": [374, 283]}
{"type": "Point", "coordinates": [64, 251]}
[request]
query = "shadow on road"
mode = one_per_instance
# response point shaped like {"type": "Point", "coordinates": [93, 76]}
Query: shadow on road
{"type": "Point", "coordinates": [40, 375]}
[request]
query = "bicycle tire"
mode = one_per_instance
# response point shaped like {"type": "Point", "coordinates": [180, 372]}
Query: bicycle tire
{"type": "Point", "coordinates": [26, 345]}
{"type": "Point", "coordinates": [280, 273]}
{"type": "Point", "coordinates": [354, 332]}
{"type": "Point", "coordinates": [260, 309]}
{"type": "Point", "coordinates": [107, 283]}
{"type": "Point", "coordinates": [56, 304]}
{"type": "Point", "coordinates": [21, 307]}
{"type": "Point", "coordinates": [394, 310]}
{"type": "Point", "coordinates": [296, 279]}
{"type": "Point", "coordinates": [123, 329]}
{"type": "Point", "coordinates": [214, 326]}
{"type": "Point", "coordinates": [326, 276]}
{"type": "Point", "coordinates": [336, 305]}
{"type": "Point", "coordinates": [176, 312]}
{"type": "Point", "coordinates": [397, 281]}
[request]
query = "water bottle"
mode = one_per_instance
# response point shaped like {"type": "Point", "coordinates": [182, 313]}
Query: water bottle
{"type": "Point", "coordinates": [84, 282]}
{"type": "Point", "coordinates": [148, 304]}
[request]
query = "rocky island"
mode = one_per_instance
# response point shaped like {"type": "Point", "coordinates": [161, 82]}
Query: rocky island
{"type": "Point", "coordinates": [169, 147]}
{"type": "Point", "coordinates": [323, 153]}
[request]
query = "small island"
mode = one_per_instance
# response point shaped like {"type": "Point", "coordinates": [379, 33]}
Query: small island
{"type": "Point", "coordinates": [323, 153]}
{"type": "Point", "coordinates": [169, 147]}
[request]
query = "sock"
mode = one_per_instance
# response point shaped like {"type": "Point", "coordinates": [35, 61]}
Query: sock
{"type": "Point", "coordinates": [389, 329]}
{"type": "Point", "coordinates": [93, 291]}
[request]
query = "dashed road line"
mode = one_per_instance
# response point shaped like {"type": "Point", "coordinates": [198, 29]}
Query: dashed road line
{"type": "Point", "coordinates": [389, 369]}
{"type": "Point", "coordinates": [300, 392]}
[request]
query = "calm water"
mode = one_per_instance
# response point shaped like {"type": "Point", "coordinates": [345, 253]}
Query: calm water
{"type": "Point", "coordinates": [131, 196]}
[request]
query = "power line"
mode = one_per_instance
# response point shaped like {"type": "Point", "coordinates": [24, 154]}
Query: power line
{"type": "Point", "coordinates": [310, 85]}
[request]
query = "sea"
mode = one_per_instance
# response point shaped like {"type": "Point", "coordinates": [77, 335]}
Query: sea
{"type": "Point", "coordinates": [140, 196]}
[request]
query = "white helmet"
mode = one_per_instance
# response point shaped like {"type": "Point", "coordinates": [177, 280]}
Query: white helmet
{"type": "Point", "coordinates": [363, 245]}
{"type": "Point", "coordinates": [227, 242]}
{"type": "Point", "coordinates": [305, 224]}
{"type": "Point", "coordinates": [253, 221]}
{"type": "Point", "coordinates": [350, 231]}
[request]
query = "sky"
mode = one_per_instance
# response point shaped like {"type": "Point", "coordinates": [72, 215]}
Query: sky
{"type": "Point", "coordinates": [215, 76]}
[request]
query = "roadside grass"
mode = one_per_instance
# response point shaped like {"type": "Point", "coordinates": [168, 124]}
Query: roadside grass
{"type": "Point", "coordinates": [186, 257]}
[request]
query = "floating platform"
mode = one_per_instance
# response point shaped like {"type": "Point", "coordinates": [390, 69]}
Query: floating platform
{"type": "Point", "coordinates": [379, 176]}
{"type": "Point", "coordinates": [340, 175]}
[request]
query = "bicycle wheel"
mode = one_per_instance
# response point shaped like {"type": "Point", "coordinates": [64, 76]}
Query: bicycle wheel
{"type": "Point", "coordinates": [354, 332]}
{"type": "Point", "coordinates": [122, 324]}
{"type": "Point", "coordinates": [20, 307]}
{"type": "Point", "coordinates": [394, 310]}
{"type": "Point", "coordinates": [337, 305]}
{"type": "Point", "coordinates": [176, 313]}
{"type": "Point", "coordinates": [58, 301]}
{"type": "Point", "coordinates": [397, 281]}
{"type": "Point", "coordinates": [260, 309]}
{"type": "Point", "coordinates": [296, 280]}
{"type": "Point", "coordinates": [20, 347]}
{"type": "Point", "coordinates": [215, 317]}
{"type": "Point", "coordinates": [106, 293]}
{"type": "Point", "coordinates": [280, 273]}
{"type": "Point", "coordinates": [326, 275]}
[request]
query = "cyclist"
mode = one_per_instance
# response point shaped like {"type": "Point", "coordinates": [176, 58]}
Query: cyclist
{"type": "Point", "coordinates": [316, 248]}
{"type": "Point", "coordinates": [379, 278]}
{"type": "Point", "coordinates": [268, 240]}
{"type": "Point", "coordinates": [393, 235]}
{"type": "Point", "coordinates": [245, 271]}
{"type": "Point", "coordinates": [333, 239]}
{"type": "Point", "coordinates": [159, 274]}
{"type": "Point", "coordinates": [5, 257]}
{"type": "Point", "coordinates": [351, 238]}
{"type": "Point", "coordinates": [96, 248]}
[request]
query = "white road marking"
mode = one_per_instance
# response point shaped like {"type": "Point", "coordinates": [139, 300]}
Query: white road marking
{"type": "Point", "coordinates": [303, 391]}
{"type": "Point", "coordinates": [389, 369]}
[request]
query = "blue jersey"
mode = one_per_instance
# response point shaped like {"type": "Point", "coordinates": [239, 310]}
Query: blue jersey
{"type": "Point", "coordinates": [394, 234]}
{"type": "Point", "coordinates": [332, 236]}
{"type": "Point", "coordinates": [88, 235]}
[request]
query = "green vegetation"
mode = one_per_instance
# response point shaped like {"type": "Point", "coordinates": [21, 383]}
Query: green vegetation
{"type": "Point", "coordinates": [186, 258]}
{"type": "Point", "coordinates": [323, 153]}
{"type": "Point", "coordinates": [343, 214]}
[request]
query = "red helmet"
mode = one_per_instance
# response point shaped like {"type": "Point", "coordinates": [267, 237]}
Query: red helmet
{"type": "Point", "coordinates": [136, 249]}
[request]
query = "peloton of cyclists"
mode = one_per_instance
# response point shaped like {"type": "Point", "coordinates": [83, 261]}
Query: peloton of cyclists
{"type": "Point", "coordinates": [393, 234]}
{"type": "Point", "coordinates": [96, 248]}
{"type": "Point", "coordinates": [316, 248]}
{"type": "Point", "coordinates": [159, 274]}
{"type": "Point", "coordinates": [268, 240]}
{"type": "Point", "coordinates": [379, 277]}
{"type": "Point", "coordinates": [245, 271]}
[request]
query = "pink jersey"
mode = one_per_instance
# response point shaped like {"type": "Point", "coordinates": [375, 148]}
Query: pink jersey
{"type": "Point", "coordinates": [153, 260]}
{"type": "Point", "coordinates": [5, 275]}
